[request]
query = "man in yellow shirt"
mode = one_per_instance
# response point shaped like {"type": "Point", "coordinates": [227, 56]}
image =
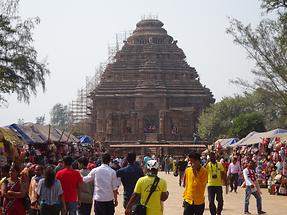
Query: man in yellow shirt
{"type": "Point", "coordinates": [195, 183]}
{"type": "Point", "coordinates": [216, 175]}
{"type": "Point", "coordinates": [142, 190]}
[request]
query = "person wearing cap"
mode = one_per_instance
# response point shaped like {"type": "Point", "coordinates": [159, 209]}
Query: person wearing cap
{"type": "Point", "coordinates": [233, 172]}
{"type": "Point", "coordinates": [252, 187]}
{"type": "Point", "coordinates": [195, 183]}
{"type": "Point", "coordinates": [142, 190]}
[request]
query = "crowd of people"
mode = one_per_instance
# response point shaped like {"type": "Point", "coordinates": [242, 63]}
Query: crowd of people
{"type": "Point", "coordinates": [75, 185]}
{"type": "Point", "coordinates": [271, 166]}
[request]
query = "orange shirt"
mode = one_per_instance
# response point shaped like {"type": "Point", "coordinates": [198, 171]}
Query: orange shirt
{"type": "Point", "coordinates": [195, 186]}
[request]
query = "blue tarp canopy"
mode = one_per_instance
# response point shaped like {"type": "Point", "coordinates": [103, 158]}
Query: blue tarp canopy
{"type": "Point", "coordinates": [41, 134]}
{"type": "Point", "coordinates": [85, 140]}
{"type": "Point", "coordinates": [22, 132]}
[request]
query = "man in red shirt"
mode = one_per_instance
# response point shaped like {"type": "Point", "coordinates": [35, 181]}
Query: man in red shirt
{"type": "Point", "coordinates": [70, 180]}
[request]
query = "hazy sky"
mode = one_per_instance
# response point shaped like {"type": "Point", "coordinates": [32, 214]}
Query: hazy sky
{"type": "Point", "coordinates": [74, 36]}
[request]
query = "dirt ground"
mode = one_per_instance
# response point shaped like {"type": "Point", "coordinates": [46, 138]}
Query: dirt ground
{"type": "Point", "coordinates": [233, 202]}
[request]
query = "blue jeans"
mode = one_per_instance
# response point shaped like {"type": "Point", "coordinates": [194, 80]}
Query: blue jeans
{"type": "Point", "coordinates": [257, 196]}
{"type": "Point", "coordinates": [72, 208]}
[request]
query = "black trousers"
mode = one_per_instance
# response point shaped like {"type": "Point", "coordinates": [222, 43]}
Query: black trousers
{"type": "Point", "coordinates": [192, 209]}
{"type": "Point", "coordinates": [85, 209]}
{"type": "Point", "coordinates": [104, 208]}
{"type": "Point", "coordinates": [181, 174]}
{"type": "Point", "coordinates": [33, 211]}
{"type": "Point", "coordinates": [212, 192]}
{"type": "Point", "coordinates": [234, 181]}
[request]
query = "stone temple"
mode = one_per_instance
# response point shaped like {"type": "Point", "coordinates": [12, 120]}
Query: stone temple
{"type": "Point", "coordinates": [149, 94]}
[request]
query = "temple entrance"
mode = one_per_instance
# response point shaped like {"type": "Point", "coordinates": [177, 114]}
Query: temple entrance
{"type": "Point", "coordinates": [151, 124]}
{"type": "Point", "coordinates": [151, 119]}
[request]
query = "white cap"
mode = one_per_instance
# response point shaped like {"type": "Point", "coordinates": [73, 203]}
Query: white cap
{"type": "Point", "coordinates": [152, 164]}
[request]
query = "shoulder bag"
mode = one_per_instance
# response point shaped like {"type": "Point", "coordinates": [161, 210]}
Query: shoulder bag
{"type": "Point", "coordinates": [141, 209]}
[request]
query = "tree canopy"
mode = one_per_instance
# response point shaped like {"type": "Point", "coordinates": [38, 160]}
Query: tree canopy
{"type": "Point", "coordinates": [215, 121]}
{"type": "Point", "coordinates": [267, 46]}
{"type": "Point", "coordinates": [221, 119]}
{"type": "Point", "coordinates": [60, 116]}
{"type": "Point", "coordinates": [264, 104]}
{"type": "Point", "coordinates": [40, 120]}
{"type": "Point", "coordinates": [244, 123]}
{"type": "Point", "coordinates": [20, 71]}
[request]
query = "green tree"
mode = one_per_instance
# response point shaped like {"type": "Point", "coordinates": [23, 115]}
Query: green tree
{"type": "Point", "coordinates": [40, 120]}
{"type": "Point", "coordinates": [215, 121]}
{"type": "Point", "coordinates": [20, 121]}
{"type": "Point", "coordinates": [20, 71]}
{"type": "Point", "coordinates": [270, 107]}
{"type": "Point", "coordinates": [271, 5]}
{"type": "Point", "coordinates": [60, 116]}
{"type": "Point", "coordinates": [245, 123]}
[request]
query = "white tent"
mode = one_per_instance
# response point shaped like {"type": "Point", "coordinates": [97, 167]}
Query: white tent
{"type": "Point", "coordinates": [226, 142]}
{"type": "Point", "coordinates": [256, 137]}
{"type": "Point", "coordinates": [282, 136]}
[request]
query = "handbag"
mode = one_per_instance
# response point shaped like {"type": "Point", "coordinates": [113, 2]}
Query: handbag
{"type": "Point", "coordinates": [141, 209]}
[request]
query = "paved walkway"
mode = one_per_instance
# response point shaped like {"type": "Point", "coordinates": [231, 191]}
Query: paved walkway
{"type": "Point", "coordinates": [233, 203]}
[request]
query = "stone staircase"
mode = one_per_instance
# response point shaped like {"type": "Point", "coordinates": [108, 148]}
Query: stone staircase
{"type": "Point", "coordinates": [151, 137]}
{"type": "Point", "coordinates": [153, 150]}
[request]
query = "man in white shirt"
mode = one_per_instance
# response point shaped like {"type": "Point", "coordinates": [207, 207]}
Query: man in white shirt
{"type": "Point", "coordinates": [251, 188]}
{"type": "Point", "coordinates": [233, 174]}
{"type": "Point", "coordinates": [105, 187]}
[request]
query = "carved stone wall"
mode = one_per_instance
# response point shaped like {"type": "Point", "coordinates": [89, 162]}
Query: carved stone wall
{"type": "Point", "coordinates": [149, 88]}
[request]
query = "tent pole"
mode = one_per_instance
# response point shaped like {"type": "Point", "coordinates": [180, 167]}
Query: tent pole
{"type": "Point", "coordinates": [49, 133]}
{"type": "Point", "coordinates": [61, 135]}
{"type": "Point", "coordinates": [69, 135]}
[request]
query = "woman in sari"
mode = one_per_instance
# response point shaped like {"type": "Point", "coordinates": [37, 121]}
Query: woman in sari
{"type": "Point", "coordinates": [13, 191]}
